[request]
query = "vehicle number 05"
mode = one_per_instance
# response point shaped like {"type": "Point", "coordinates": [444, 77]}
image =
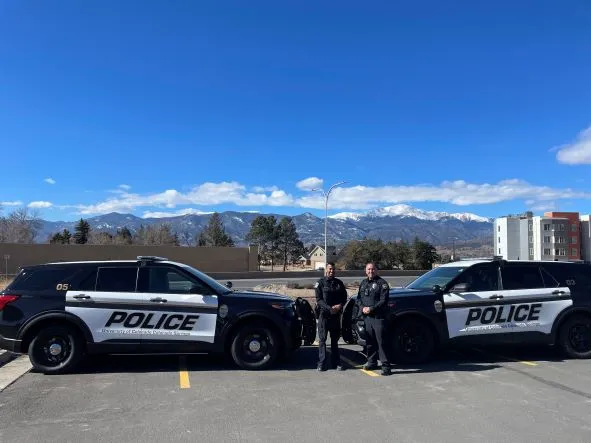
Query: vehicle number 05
{"type": "Point", "coordinates": [62, 286]}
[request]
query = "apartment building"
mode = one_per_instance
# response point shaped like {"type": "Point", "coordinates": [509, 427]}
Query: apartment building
{"type": "Point", "coordinates": [586, 237]}
{"type": "Point", "coordinates": [553, 236]}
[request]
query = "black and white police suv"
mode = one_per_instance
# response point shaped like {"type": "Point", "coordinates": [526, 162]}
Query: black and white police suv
{"type": "Point", "coordinates": [481, 302]}
{"type": "Point", "coordinates": [58, 312]}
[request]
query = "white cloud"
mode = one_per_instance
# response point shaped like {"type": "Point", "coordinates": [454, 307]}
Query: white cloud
{"type": "Point", "coordinates": [186, 211]}
{"type": "Point", "coordinates": [309, 183]}
{"type": "Point", "coordinates": [578, 152]}
{"type": "Point", "coordinates": [125, 187]}
{"type": "Point", "coordinates": [50, 181]}
{"type": "Point", "coordinates": [40, 204]}
{"type": "Point", "coordinates": [264, 188]}
{"type": "Point", "coordinates": [458, 192]}
{"type": "Point", "coordinates": [13, 203]}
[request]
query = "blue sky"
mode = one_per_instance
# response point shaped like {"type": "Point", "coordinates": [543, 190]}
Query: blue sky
{"type": "Point", "coordinates": [154, 107]}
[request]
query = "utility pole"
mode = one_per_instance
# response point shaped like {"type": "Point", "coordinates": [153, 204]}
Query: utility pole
{"type": "Point", "coordinates": [326, 195]}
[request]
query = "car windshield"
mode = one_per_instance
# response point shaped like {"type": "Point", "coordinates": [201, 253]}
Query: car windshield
{"type": "Point", "coordinates": [438, 276]}
{"type": "Point", "coordinates": [217, 286]}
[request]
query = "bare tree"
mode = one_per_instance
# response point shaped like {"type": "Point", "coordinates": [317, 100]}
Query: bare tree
{"type": "Point", "coordinates": [21, 226]}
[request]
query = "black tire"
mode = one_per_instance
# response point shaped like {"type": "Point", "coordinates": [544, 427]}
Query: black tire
{"type": "Point", "coordinates": [69, 344]}
{"type": "Point", "coordinates": [413, 341]}
{"type": "Point", "coordinates": [255, 346]}
{"type": "Point", "coordinates": [574, 336]}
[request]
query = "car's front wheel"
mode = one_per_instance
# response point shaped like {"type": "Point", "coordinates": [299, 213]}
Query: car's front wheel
{"type": "Point", "coordinates": [55, 349]}
{"type": "Point", "coordinates": [574, 336]}
{"type": "Point", "coordinates": [255, 346]}
{"type": "Point", "coordinates": [413, 341]}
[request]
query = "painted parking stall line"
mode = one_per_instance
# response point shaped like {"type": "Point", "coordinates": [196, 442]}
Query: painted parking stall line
{"type": "Point", "coordinates": [184, 381]}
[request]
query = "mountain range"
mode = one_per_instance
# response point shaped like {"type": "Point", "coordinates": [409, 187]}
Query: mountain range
{"type": "Point", "coordinates": [392, 223]}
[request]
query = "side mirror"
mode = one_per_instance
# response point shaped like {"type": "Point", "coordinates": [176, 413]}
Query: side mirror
{"type": "Point", "coordinates": [437, 289]}
{"type": "Point", "coordinates": [461, 287]}
{"type": "Point", "coordinates": [229, 284]}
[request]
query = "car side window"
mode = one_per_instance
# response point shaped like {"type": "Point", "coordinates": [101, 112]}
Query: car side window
{"type": "Point", "coordinates": [116, 279]}
{"type": "Point", "coordinates": [521, 277]}
{"type": "Point", "coordinates": [169, 281]}
{"type": "Point", "coordinates": [480, 278]}
{"type": "Point", "coordinates": [44, 279]}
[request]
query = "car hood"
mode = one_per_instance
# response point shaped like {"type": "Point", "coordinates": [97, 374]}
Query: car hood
{"type": "Point", "coordinates": [259, 295]}
{"type": "Point", "coordinates": [406, 292]}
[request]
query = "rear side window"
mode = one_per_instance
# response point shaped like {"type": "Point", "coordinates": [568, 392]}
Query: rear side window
{"type": "Point", "coordinates": [45, 279]}
{"type": "Point", "coordinates": [119, 279]}
{"type": "Point", "coordinates": [521, 277]}
{"type": "Point", "coordinates": [576, 276]}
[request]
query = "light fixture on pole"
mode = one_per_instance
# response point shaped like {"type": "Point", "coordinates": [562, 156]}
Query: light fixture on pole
{"type": "Point", "coordinates": [326, 195]}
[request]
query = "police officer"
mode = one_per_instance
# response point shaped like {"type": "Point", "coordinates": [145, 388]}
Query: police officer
{"type": "Point", "coordinates": [373, 304]}
{"type": "Point", "coordinates": [331, 296]}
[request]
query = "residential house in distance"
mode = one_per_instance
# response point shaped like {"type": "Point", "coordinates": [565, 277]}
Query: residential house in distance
{"type": "Point", "coordinates": [553, 236]}
{"type": "Point", "coordinates": [317, 256]}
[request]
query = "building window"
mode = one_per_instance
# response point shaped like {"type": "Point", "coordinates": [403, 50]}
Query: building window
{"type": "Point", "coordinates": [547, 251]}
{"type": "Point", "coordinates": [531, 251]}
{"type": "Point", "coordinates": [546, 227]}
{"type": "Point", "coordinates": [574, 227]}
{"type": "Point", "coordinates": [573, 240]}
{"type": "Point", "coordinates": [499, 228]}
{"type": "Point", "coordinates": [573, 252]}
{"type": "Point", "coordinates": [546, 239]}
{"type": "Point", "coordinates": [559, 239]}
{"type": "Point", "coordinates": [499, 250]}
{"type": "Point", "coordinates": [499, 239]}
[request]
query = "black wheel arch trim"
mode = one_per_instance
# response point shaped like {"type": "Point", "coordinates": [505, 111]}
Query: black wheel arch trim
{"type": "Point", "coordinates": [564, 315]}
{"type": "Point", "coordinates": [277, 321]}
{"type": "Point", "coordinates": [438, 334]}
{"type": "Point", "coordinates": [58, 315]}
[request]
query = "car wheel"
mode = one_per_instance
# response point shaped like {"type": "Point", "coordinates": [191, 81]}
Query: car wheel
{"type": "Point", "coordinates": [55, 350]}
{"type": "Point", "coordinates": [575, 336]}
{"type": "Point", "coordinates": [413, 341]}
{"type": "Point", "coordinates": [255, 347]}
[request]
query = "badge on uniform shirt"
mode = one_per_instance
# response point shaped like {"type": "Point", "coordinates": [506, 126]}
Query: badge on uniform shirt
{"type": "Point", "coordinates": [375, 285]}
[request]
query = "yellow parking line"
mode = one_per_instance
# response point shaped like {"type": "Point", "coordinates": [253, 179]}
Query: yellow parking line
{"type": "Point", "coordinates": [183, 374]}
{"type": "Point", "coordinates": [523, 362]}
{"type": "Point", "coordinates": [360, 367]}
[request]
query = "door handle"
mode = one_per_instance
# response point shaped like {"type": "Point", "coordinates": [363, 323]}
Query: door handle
{"type": "Point", "coordinates": [495, 296]}
{"type": "Point", "coordinates": [82, 297]}
{"type": "Point", "coordinates": [558, 292]}
{"type": "Point", "coordinates": [158, 300]}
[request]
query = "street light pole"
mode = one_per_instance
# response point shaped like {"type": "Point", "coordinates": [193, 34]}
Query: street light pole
{"type": "Point", "coordinates": [326, 195]}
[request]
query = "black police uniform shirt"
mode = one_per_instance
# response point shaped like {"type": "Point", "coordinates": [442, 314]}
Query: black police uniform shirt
{"type": "Point", "coordinates": [330, 292]}
{"type": "Point", "coordinates": [374, 294]}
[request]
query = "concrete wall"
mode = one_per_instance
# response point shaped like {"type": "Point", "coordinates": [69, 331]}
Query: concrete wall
{"type": "Point", "coordinates": [206, 259]}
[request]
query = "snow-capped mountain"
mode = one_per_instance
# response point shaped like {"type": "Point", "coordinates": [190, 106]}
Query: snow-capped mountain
{"type": "Point", "coordinates": [409, 211]}
{"type": "Point", "coordinates": [399, 222]}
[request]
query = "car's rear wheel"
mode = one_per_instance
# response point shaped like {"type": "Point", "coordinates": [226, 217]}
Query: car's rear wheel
{"type": "Point", "coordinates": [413, 341]}
{"type": "Point", "coordinates": [574, 336]}
{"type": "Point", "coordinates": [255, 346]}
{"type": "Point", "coordinates": [55, 349]}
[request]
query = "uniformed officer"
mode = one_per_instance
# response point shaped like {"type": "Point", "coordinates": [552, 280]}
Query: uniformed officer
{"type": "Point", "coordinates": [331, 296]}
{"type": "Point", "coordinates": [373, 304]}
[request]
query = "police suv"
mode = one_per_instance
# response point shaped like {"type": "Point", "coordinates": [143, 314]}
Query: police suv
{"type": "Point", "coordinates": [58, 312]}
{"type": "Point", "coordinates": [489, 301]}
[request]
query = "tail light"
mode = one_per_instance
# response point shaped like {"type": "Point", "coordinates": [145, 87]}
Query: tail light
{"type": "Point", "coordinates": [5, 299]}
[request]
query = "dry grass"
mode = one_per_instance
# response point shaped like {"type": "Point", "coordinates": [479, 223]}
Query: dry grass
{"type": "Point", "coordinates": [4, 282]}
{"type": "Point", "coordinates": [306, 291]}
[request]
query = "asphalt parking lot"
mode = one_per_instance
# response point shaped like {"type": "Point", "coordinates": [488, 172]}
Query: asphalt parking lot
{"type": "Point", "coordinates": [517, 395]}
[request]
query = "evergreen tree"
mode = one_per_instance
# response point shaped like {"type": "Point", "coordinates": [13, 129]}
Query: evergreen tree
{"type": "Point", "coordinates": [214, 233]}
{"type": "Point", "coordinates": [81, 232]}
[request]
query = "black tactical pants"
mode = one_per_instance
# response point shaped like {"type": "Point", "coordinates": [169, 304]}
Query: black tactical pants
{"type": "Point", "coordinates": [376, 328]}
{"type": "Point", "coordinates": [328, 325]}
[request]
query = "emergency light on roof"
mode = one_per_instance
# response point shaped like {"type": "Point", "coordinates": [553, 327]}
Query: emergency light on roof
{"type": "Point", "coordinates": [150, 258]}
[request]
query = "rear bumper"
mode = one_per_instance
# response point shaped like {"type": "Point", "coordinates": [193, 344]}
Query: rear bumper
{"type": "Point", "coordinates": [10, 344]}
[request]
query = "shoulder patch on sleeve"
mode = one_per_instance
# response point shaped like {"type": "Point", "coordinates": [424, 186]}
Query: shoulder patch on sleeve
{"type": "Point", "coordinates": [316, 285]}
{"type": "Point", "coordinates": [385, 286]}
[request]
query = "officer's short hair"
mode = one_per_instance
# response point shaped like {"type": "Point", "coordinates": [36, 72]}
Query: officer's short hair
{"type": "Point", "coordinates": [372, 263]}
{"type": "Point", "coordinates": [330, 264]}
